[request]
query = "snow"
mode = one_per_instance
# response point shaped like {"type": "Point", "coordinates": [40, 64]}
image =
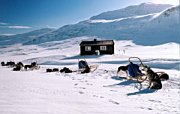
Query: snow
{"type": "Point", "coordinates": [163, 27]}
{"type": "Point", "coordinates": [102, 91]}
{"type": "Point", "coordinates": [120, 19]}
{"type": "Point", "coordinates": [133, 10]}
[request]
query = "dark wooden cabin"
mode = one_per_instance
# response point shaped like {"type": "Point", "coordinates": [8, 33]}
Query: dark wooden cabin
{"type": "Point", "coordinates": [97, 47]}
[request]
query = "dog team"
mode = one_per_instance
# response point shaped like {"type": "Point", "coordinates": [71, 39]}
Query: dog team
{"type": "Point", "coordinates": [132, 71]}
{"type": "Point", "coordinates": [19, 66]}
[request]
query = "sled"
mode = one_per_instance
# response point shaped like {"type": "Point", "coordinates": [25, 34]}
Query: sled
{"type": "Point", "coordinates": [83, 67]}
{"type": "Point", "coordinates": [136, 73]}
{"type": "Point", "coordinates": [142, 77]}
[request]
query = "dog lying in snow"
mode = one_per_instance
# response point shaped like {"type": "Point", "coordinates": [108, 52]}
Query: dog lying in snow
{"type": "Point", "coordinates": [18, 66]}
{"type": "Point", "coordinates": [32, 66]}
{"type": "Point", "coordinates": [154, 79]}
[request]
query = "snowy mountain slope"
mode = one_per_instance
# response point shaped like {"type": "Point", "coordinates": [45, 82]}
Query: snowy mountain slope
{"type": "Point", "coordinates": [163, 28]}
{"type": "Point", "coordinates": [142, 9]}
{"type": "Point", "coordinates": [20, 38]}
{"type": "Point", "coordinates": [120, 19]}
{"type": "Point", "coordinates": [122, 29]}
{"type": "Point", "coordinates": [32, 92]}
{"type": "Point", "coordinates": [140, 24]}
{"type": "Point", "coordinates": [134, 27]}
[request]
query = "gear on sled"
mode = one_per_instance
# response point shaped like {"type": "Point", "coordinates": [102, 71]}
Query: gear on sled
{"type": "Point", "coordinates": [134, 70]}
{"type": "Point", "coordinates": [85, 68]}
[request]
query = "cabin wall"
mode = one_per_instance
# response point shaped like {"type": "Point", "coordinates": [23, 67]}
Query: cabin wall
{"type": "Point", "coordinates": [109, 50]}
{"type": "Point", "coordinates": [92, 52]}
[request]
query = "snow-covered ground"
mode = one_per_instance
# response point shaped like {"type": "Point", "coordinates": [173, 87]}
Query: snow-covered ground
{"type": "Point", "coordinates": [99, 92]}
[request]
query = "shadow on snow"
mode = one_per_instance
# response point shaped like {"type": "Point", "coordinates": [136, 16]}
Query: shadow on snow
{"type": "Point", "coordinates": [144, 91]}
{"type": "Point", "coordinates": [129, 82]}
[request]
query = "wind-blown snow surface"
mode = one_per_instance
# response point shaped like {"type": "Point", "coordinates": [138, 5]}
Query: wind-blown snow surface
{"type": "Point", "coordinates": [37, 92]}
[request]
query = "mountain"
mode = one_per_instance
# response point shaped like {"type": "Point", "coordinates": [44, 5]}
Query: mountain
{"type": "Point", "coordinates": [130, 23]}
{"type": "Point", "coordinates": [163, 28]}
{"type": "Point", "coordinates": [145, 24]}
{"type": "Point", "coordinates": [142, 9]}
{"type": "Point", "coordinates": [21, 38]}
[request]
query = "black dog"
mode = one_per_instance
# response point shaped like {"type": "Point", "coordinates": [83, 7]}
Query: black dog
{"type": "Point", "coordinates": [49, 70]}
{"type": "Point", "coordinates": [10, 63]}
{"type": "Point", "coordinates": [27, 66]}
{"type": "Point", "coordinates": [18, 66]}
{"type": "Point", "coordinates": [154, 80]}
{"type": "Point", "coordinates": [3, 64]}
{"type": "Point", "coordinates": [163, 76]}
{"type": "Point", "coordinates": [55, 70]}
{"type": "Point", "coordinates": [32, 66]}
{"type": "Point", "coordinates": [122, 68]}
{"type": "Point", "coordinates": [66, 70]}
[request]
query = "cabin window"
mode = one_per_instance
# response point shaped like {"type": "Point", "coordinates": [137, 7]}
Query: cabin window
{"type": "Point", "coordinates": [103, 48]}
{"type": "Point", "coordinates": [87, 48]}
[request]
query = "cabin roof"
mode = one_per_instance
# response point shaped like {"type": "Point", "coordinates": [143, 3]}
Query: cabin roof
{"type": "Point", "coordinates": [95, 42]}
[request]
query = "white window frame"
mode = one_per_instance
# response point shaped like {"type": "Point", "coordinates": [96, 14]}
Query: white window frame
{"type": "Point", "coordinates": [87, 48]}
{"type": "Point", "coordinates": [103, 48]}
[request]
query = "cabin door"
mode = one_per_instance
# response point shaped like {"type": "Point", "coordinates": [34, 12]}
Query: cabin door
{"type": "Point", "coordinates": [97, 52]}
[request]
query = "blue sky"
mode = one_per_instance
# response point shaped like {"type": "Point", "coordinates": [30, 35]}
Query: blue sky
{"type": "Point", "coordinates": [18, 16]}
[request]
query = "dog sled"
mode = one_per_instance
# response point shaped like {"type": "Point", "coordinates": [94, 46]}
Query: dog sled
{"type": "Point", "coordinates": [140, 73]}
{"type": "Point", "coordinates": [134, 70]}
{"type": "Point", "coordinates": [84, 67]}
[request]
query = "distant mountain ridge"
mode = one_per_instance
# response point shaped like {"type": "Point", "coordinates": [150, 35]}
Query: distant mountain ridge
{"type": "Point", "coordinates": [163, 28]}
{"type": "Point", "coordinates": [25, 37]}
{"type": "Point", "coordinates": [146, 24]}
{"type": "Point", "coordinates": [142, 9]}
